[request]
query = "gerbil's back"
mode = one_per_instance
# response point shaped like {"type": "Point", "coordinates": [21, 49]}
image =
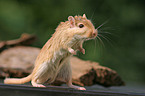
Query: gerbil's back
{"type": "Point", "coordinates": [53, 45]}
{"type": "Point", "coordinates": [45, 53]}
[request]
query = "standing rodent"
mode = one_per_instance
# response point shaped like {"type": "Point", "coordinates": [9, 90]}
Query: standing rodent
{"type": "Point", "coordinates": [53, 63]}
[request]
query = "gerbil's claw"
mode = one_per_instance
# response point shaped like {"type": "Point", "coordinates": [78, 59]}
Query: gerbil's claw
{"type": "Point", "coordinates": [72, 51]}
{"type": "Point", "coordinates": [39, 85]}
{"type": "Point", "coordinates": [82, 50]}
{"type": "Point", "coordinates": [36, 84]}
{"type": "Point", "coordinates": [77, 87]}
{"type": "Point", "coordinates": [81, 88]}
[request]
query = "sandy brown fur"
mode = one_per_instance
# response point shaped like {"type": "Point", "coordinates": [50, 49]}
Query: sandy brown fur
{"type": "Point", "coordinates": [53, 60]}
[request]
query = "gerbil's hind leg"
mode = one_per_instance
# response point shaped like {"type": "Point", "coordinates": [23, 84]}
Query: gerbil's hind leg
{"type": "Point", "coordinates": [69, 84]}
{"type": "Point", "coordinates": [82, 50]}
{"type": "Point", "coordinates": [36, 84]}
{"type": "Point", "coordinates": [65, 74]}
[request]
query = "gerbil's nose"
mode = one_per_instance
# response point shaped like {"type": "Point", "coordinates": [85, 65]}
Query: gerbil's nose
{"type": "Point", "coordinates": [94, 34]}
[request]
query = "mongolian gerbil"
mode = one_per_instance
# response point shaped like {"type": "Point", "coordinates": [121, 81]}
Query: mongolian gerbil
{"type": "Point", "coordinates": [52, 62]}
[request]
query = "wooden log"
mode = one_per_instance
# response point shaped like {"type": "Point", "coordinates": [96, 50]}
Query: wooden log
{"type": "Point", "coordinates": [19, 61]}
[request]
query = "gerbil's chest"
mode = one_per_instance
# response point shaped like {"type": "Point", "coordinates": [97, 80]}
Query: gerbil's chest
{"type": "Point", "coordinates": [59, 57]}
{"type": "Point", "coordinates": [75, 43]}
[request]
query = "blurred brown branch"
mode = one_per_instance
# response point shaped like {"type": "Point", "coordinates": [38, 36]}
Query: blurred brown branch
{"type": "Point", "coordinates": [25, 39]}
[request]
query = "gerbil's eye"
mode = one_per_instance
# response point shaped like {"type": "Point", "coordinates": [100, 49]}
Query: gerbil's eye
{"type": "Point", "coordinates": [81, 25]}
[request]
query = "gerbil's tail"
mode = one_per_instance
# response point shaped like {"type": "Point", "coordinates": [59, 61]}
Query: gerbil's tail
{"type": "Point", "coordinates": [17, 80]}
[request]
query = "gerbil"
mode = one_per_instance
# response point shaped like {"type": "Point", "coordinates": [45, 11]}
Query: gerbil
{"type": "Point", "coordinates": [52, 63]}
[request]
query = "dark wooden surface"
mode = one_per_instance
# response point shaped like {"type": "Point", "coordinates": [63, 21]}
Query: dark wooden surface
{"type": "Point", "coordinates": [27, 90]}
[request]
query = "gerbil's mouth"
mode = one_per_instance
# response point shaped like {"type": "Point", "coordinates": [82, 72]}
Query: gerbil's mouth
{"type": "Point", "coordinates": [93, 35]}
{"type": "Point", "coordinates": [90, 38]}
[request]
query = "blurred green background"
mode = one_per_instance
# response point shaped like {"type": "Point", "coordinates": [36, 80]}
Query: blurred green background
{"type": "Point", "coordinates": [123, 50]}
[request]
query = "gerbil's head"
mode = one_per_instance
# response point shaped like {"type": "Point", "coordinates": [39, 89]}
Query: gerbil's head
{"type": "Point", "coordinates": [81, 27]}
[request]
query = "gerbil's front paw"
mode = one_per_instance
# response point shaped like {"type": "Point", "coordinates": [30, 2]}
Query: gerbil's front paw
{"type": "Point", "coordinates": [38, 85]}
{"type": "Point", "coordinates": [82, 50]}
{"type": "Point", "coordinates": [72, 51]}
{"type": "Point", "coordinates": [81, 88]}
{"type": "Point", "coordinates": [77, 87]}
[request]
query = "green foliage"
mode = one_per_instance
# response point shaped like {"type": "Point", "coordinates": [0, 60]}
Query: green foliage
{"type": "Point", "coordinates": [124, 51]}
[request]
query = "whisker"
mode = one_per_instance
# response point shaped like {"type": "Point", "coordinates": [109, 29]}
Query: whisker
{"type": "Point", "coordinates": [107, 39]}
{"type": "Point", "coordinates": [106, 32]}
{"type": "Point", "coordinates": [101, 41]}
{"type": "Point", "coordinates": [102, 24]}
{"type": "Point", "coordinates": [99, 46]}
{"type": "Point", "coordinates": [103, 37]}
{"type": "Point", "coordinates": [107, 28]}
{"type": "Point", "coordinates": [93, 13]}
{"type": "Point", "coordinates": [95, 46]}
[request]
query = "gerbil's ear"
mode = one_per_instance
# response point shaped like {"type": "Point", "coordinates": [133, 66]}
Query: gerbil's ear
{"type": "Point", "coordinates": [84, 16]}
{"type": "Point", "coordinates": [72, 21]}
